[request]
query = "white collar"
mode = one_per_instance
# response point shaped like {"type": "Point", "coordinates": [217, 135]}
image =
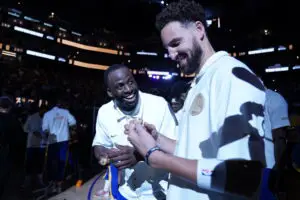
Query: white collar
{"type": "Point", "coordinates": [216, 56]}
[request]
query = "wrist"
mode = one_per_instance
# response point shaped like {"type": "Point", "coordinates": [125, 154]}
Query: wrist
{"type": "Point", "coordinates": [154, 159]}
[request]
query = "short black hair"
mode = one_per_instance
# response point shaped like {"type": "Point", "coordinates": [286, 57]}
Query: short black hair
{"type": "Point", "coordinates": [112, 69]}
{"type": "Point", "coordinates": [184, 11]}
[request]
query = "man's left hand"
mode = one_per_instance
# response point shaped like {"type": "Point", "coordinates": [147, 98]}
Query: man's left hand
{"type": "Point", "coordinates": [124, 157]}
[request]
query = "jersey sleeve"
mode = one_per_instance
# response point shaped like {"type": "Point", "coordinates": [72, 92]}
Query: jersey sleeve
{"type": "Point", "coordinates": [278, 111]}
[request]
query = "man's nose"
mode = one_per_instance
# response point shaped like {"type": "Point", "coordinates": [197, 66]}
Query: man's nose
{"type": "Point", "coordinates": [172, 54]}
{"type": "Point", "coordinates": [127, 89]}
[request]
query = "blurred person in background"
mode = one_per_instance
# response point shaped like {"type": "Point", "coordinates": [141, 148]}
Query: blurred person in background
{"type": "Point", "coordinates": [11, 144]}
{"type": "Point", "coordinates": [59, 125]}
{"type": "Point", "coordinates": [177, 96]}
{"type": "Point", "coordinates": [35, 145]}
{"type": "Point", "coordinates": [276, 123]}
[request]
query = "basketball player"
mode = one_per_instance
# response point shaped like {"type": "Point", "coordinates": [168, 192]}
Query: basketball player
{"type": "Point", "coordinates": [138, 180]}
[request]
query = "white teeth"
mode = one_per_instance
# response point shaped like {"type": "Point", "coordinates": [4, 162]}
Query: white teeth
{"type": "Point", "coordinates": [130, 96]}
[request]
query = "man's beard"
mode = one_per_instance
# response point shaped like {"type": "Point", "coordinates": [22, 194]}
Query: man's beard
{"type": "Point", "coordinates": [193, 63]}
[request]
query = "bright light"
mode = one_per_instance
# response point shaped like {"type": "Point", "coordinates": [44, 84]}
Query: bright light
{"type": "Point", "coordinates": [296, 67]}
{"type": "Point", "coordinates": [162, 2]}
{"type": "Point", "coordinates": [146, 53]}
{"type": "Point", "coordinates": [61, 60]}
{"type": "Point", "coordinates": [9, 53]}
{"type": "Point", "coordinates": [89, 48]}
{"type": "Point", "coordinates": [280, 69]}
{"type": "Point", "coordinates": [158, 73]}
{"type": "Point", "coordinates": [259, 51]}
{"type": "Point", "coordinates": [39, 54]}
{"type": "Point", "coordinates": [30, 32]}
{"type": "Point", "coordinates": [50, 37]}
{"type": "Point", "coordinates": [90, 65]}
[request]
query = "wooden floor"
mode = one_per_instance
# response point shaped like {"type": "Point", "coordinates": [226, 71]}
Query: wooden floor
{"type": "Point", "coordinates": [81, 193]}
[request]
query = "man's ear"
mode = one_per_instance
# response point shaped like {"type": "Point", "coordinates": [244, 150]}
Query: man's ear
{"type": "Point", "coordinates": [200, 29]}
{"type": "Point", "coordinates": [109, 93]}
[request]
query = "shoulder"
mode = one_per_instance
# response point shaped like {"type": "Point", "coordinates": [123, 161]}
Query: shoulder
{"type": "Point", "coordinates": [232, 71]}
{"type": "Point", "coordinates": [275, 100]}
{"type": "Point", "coordinates": [106, 108]}
{"type": "Point", "coordinates": [146, 97]}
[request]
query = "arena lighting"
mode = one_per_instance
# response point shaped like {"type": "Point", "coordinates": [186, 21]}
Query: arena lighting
{"type": "Point", "coordinates": [89, 65]}
{"type": "Point", "coordinates": [9, 53]}
{"type": "Point", "coordinates": [47, 24]}
{"type": "Point", "coordinates": [167, 77]}
{"type": "Point", "coordinates": [89, 48]}
{"type": "Point", "coordinates": [158, 73]}
{"type": "Point", "coordinates": [279, 69]}
{"type": "Point", "coordinates": [62, 29]}
{"type": "Point", "coordinates": [296, 67]}
{"type": "Point", "coordinates": [31, 19]}
{"type": "Point", "coordinates": [13, 14]}
{"type": "Point", "coordinates": [146, 53]}
{"type": "Point", "coordinates": [75, 33]}
{"type": "Point", "coordinates": [27, 31]}
{"type": "Point", "coordinates": [50, 37]}
{"type": "Point", "coordinates": [126, 54]}
{"type": "Point", "coordinates": [259, 51]}
{"type": "Point", "coordinates": [281, 48]}
{"type": "Point", "coordinates": [39, 54]}
{"type": "Point", "coordinates": [61, 60]}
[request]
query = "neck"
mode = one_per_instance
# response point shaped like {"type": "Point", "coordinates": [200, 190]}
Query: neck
{"type": "Point", "coordinates": [208, 51]}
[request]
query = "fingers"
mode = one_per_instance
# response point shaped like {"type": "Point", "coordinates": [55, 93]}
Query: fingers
{"type": "Point", "coordinates": [114, 153]}
{"type": "Point", "coordinates": [123, 164]}
{"type": "Point", "coordinates": [149, 127]}
{"type": "Point", "coordinates": [120, 158]}
{"type": "Point", "coordinates": [124, 148]}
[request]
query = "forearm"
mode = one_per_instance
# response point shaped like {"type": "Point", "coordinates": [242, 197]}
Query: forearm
{"type": "Point", "coordinates": [279, 137]}
{"type": "Point", "coordinates": [213, 174]}
{"type": "Point", "coordinates": [279, 149]}
{"type": "Point", "coordinates": [179, 166]}
{"type": "Point", "coordinates": [167, 145]}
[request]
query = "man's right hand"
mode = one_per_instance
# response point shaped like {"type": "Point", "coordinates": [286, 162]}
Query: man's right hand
{"type": "Point", "coordinates": [123, 157]}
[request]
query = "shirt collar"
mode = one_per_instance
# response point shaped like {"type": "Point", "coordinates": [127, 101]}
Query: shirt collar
{"type": "Point", "coordinates": [216, 56]}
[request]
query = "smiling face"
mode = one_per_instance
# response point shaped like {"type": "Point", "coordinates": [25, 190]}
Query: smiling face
{"type": "Point", "coordinates": [123, 88]}
{"type": "Point", "coordinates": [182, 43]}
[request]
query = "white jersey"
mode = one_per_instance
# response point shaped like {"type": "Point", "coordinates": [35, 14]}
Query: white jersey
{"type": "Point", "coordinates": [57, 122]}
{"type": "Point", "coordinates": [276, 116]}
{"type": "Point", "coordinates": [34, 124]}
{"type": "Point", "coordinates": [141, 181]}
{"type": "Point", "coordinates": [221, 119]}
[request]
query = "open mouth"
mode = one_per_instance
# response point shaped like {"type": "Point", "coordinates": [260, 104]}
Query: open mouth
{"type": "Point", "coordinates": [181, 57]}
{"type": "Point", "coordinates": [130, 98]}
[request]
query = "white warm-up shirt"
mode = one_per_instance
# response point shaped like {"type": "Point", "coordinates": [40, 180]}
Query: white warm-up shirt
{"type": "Point", "coordinates": [140, 181]}
{"type": "Point", "coordinates": [34, 124]}
{"type": "Point", "coordinates": [276, 116]}
{"type": "Point", "coordinates": [223, 108]}
{"type": "Point", "coordinates": [57, 121]}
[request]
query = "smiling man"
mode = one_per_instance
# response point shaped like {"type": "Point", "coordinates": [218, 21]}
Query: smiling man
{"type": "Point", "coordinates": [138, 180]}
{"type": "Point", "coordinates": [221, 118]}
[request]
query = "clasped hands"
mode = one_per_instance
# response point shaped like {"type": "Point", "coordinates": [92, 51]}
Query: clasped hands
{"type": "Point", "coordinates": [142, 136]}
